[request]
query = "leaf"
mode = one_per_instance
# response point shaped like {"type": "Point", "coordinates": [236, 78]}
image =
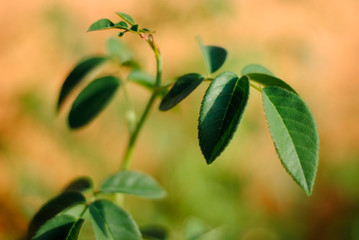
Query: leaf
{"type": "Point", "coordinates": [81, 184]}
{"type": "Point", "coordinates": [180, 90]}
{"type": "Point", "coordinates": [154, 232]}
{"type": "Point", "coordinates": [121, 25]}
{"type": "Point", "coordinates": [62, 227]}
{"type": "Point", "coordinates": [142, 78]}
{"type": "Point", "coordinates": [256, 68]}
{"type": "Point", "coordinates": [221, 111]}
{"type": "Point", "coordinates": [110, 222]}
{"type": "Point", "coordinates": [294, 134]}
{"type": "Point", "coordinates": [214, 56]}
{"type": "Point", "coordinates": [126, 17]}
{"type": "Point", "coordinates": [52, 208]}
{"type": "Point", "coordinates": [76, 75]}
{"type": "Point", "coordinates": [134, 28]}
{"type": "Point", "coordinates": [101, 24]}
{"type": "Point", "coordinates": [119, 50]}
{"type": "Point", "coordinates": [92, 100]}
{"type": "Point", "coordinates": [134, 183]}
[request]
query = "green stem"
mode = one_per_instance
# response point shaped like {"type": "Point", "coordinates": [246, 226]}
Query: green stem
{"type": "Point", "coordinates": [133, 137]}
{"type": "Point", "coordinates": [255, 86]}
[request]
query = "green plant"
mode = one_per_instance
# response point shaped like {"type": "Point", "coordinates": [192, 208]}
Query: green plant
{"type": "Point", "coordinates": [290, 122]}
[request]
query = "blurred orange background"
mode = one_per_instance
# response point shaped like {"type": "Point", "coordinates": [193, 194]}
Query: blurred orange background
{"type": "Point", "coordinates": [313, 45]}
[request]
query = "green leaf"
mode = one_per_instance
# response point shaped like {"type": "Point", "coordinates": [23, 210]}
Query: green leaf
{"type": "Point", "coordinates": [62, 227]}
{"type": "Point", "coordinates": [52, 208]}
{"type": "Point", "coordinates": [81, 184]}
{"type": "Point", "coordinates": [126, 17]}
{"type": "Point", "coordinates": [256, 68]}
{"type": "Point", "coordinates": [121, 25]}
{"type": "Point", "coordinates": [142, 78]}
{"type": "Point", "coordinates": [294, 134]}
{"type": "Point", "coordinates": [180, 90]}
{"type": "Point", "coordinates": [101, 24]}
{"type": "Point", "coordinates": [134, 28]}
{"type": "Point", "coordinates": [221, 111]}
{"type": "Point", "coordinates": [214, 56]}
{"type": "Point", "coordinates": [92, 100]}
{"type": "Point", "coordinates": [110, 222]}
{"type": "Point", "coordinates": [119, 50]}
{"type": "Point", "coordinates": [154, 232]}
{"type": "Point", "coordinates": [134, 183]}
{"type": "Point", "coordinates": [76, 75]}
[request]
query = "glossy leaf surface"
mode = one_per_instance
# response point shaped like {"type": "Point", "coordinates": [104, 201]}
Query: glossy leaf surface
{"type": "Point", "coordinates": [180, 90]}
{"type": "Point", "coordinates": [110, 222]}
{"type": "Point", "coordinates": [76, 75]}
{"type": "Point", "coordinates": [92, 100]}
{"type": "Point", "coordinates": [126, 17]}
{"type": "Point", "coordinates": [101, 24]}
{"type": "Point", "coordinates": [62, 227]}
{"type": "Point", "coordinates": [294, 134]}
{"type": "Point", "coordinates": [256, 68]}
{"type": "Point", "coordinates": [214, 56]}
{"type": "Point", "coordinates": [268, 81]}
{"type": "Point", "coordinates": [52, 208]}
{"type": "Point", "coordinates": [221, 111]}
{"type": "Point", "coordinates": [134, 183]}
{"type": "Point", "coordinates": [81, 184]}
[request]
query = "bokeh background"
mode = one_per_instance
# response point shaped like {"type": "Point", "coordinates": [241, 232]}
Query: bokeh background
{"type": "Point", "coordinates": [245, 194]}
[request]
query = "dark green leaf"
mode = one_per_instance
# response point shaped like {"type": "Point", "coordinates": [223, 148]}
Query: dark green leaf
{"type": "Point", "coordinates": [76, 75]}
{"type": "Point", "coordinates": [101, 24]}
{"type": "Point", "coordinates": [120, 34]}
{"type": "Point", "coordinates": [121, 25]}
{"type": "Point", "coordinates": [52, 208]}
{"type": "Point", "coordinates": [154, 232]}
{"type": "Point", "coordinates": [110, 222]}
{"type": "Point", "coordinates": [92, 100]}
{"type": "Point", "coordinates": [134, 28]}
{"type": "Point", "coordinates": [269, 81]}
{"type": "Point", "coordinates": [256, 68]}
{"type": "Point", "coordinates": [221, 111]}
{"type": "Point", "coordinates": [180, 90]}
{"type": "Point", "coordinates": [142, 78]}
{"type": "Point", "coordinates": [62, 227]}
{"type": "Point", "coordinates": [81, 184]}
{"type": "Point", "coordinates": [118, 49]}
{"type": "Point", "coordinates": [126, 17]}
{"type": "Point", "coordinates": [135, 183]}
{"type": "Point", "coordinates": [214, 56]}
{"type": "Point", "coordinates": [294, 134]}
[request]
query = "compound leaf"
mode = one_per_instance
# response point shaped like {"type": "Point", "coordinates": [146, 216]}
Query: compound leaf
{"type": "Point", "coordinates": [221, 111]}
{"type": "Point", "coordinates": [180, 90]}
{"type": "Point", "coordinates": [134, 183]}
{"type": "Point", "coordinates": [92, 100]}
{"type": "Point", "coordinates": [110, 222]}
{"type": "Point", "coordinates": [62, 227]}
{"type": "Point", "coordinates": [126, 17]}
{"type": "Point", "coordinates": [214, 56]}
{"type": "Point", "coordinates": [101, 24]}
{"type": "Point", "coordinates": [294, 134]}
{"type": "Point", "coordinates": [76, 75]}
{"type": "Point", "coordinates": [52, 208]}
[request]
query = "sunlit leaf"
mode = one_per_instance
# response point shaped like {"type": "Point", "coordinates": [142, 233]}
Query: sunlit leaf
{"type": "Point", "coordinates": [221, 111]}
{"type": "Point", "coordinates": [294, 134]}
{"type": "Point", "coordinates": [110, 222]}
{"type": "Point", "coordinates": [62, 227]}
{"type": "Point", "coordinates": [142, 78]}
{"type": "Point", "coordinates": [256, 68]}
{"type": "Point", "coordinates": [76, 75]}
{"type": "Point", "coordinates": [134, 183]}
{"type": "Point", "coordinates": [92, 100]}
{"type": "Point", "coordinates": [81, 184]}
{"type": "Point", "coordinates": [121, 25]}
{"type": "Point", "coordinates": [214, 56]}
{"type": "Point", "coordinates": [126, 17]}
{"type": "Point", "coordinates": [52, 208]}
{"type": "Point", "coordinates": [101, 24]}
{"type": "Point", "coordinates": [180, 90]}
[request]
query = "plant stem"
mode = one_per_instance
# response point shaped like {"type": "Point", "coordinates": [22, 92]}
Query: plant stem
{"type": "Point", "coordinates": [133, 137]}
{"type": "Point", "coordinates": [255, 86]}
